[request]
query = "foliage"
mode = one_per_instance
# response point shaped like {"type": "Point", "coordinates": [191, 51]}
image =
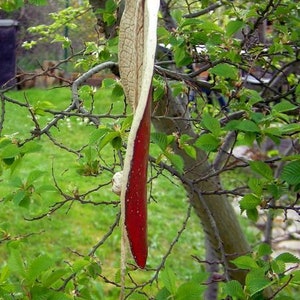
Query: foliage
{"type": "Point", "coordinates": [10, 5]}
{"type": "Point", "coordinates": [86, 139]}
{"type": "Point", "coordinates": [264, 272]}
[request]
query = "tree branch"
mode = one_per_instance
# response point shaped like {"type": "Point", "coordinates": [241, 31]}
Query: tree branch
{"type": "Point", "coordinates": [204, 11]}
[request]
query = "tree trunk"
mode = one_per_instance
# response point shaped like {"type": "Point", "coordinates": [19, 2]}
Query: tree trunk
{"type": "Point", "coordinates": [111, 30]}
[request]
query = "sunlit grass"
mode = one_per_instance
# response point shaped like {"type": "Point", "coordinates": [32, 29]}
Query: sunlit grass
{"type": "Point", "coordinates": [75, 227]}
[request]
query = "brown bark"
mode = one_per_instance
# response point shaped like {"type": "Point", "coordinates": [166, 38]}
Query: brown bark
{"type": "Point", "coordinates": [108, 31]}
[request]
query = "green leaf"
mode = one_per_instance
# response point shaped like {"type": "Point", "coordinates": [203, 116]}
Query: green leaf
{"type": "Point", "coordinates": [10, 151]}
{"type": "Point", "coordinates": [4, 141]}
{"type": "Point", "coordinates": [249, 201]}
{"type": "Point", "coordinates": [38, 2]}
{"type": "Point", "coordinates": [277, 266]}
{"type": "Point", "coordinates": [169, 280]}
{"type": "Point", "coordinates": [159, 92]}
{"type": "Point", "coordinates": [212, 124]}
{"type": "Point", "coordinates": [126, 124]}
{"type": "Point", "coordinates": [290, 128]}
{"type": "Point", "coordinates": [256, 281]}
{"type": "Point", "coordinates": [9, 161]}
{"type": "Point", "coordinates": [90, 154]}
{"type": "Point", "coordinates": [233, 26]}
{"type": "Point", "coordinates": [108, 82]}
{"type": "Point", "coordinates": [15, 261]}
{"type": "Point", "coordinates": [19, 196]}
{"type": "Point", "coordinates": [160, 139]}
{"type": "Point", "coordinates": [242, 125]}
{"type": "Point", "coordinates": [117, 91]}
{"type": "Point", "coordinates": [264, 249]}
{"type": "Point", "coordinates": [16, 182]}
{"type": "Point", "coordinates": [191, 21]}
{"type": "Point", "coordinates": [25, 202]}
{"type": "Point", "coordinates": [33, 176]}
{"type": "Point", "coordinates": [287, 258]}
{"type": "Point", "coordinates": [210, 26]}
{"type": "Point", "coordinates": [45, 188]}
{"type": "Point", "coordinates": [272, 132]}
{"type": "Point", "coordinates": [97, 134]}
{"type": "Point", "coordinates": [262, 169]}
{"type": "Point", "coordinates": [181, 57]}
{"type": "Point", "coordinates": [296, 277]}
{"type": "Point", "coordinates": [255, 185]}
{"type": "Point", "coordinates": [40, 107]}
{"type": "Point", "coordinates": [247, 126]}
{"type": "Point", "coordinates": [80, 264]}
{"type": "Point", "coordinates": [275, 190]}
{"type": "Point", "coordinates": [163, 294]}
{"type": "Point", "coordinates": [252, 214]}
{"type": "Point", "coordinates": [283, 106]}
{"type": "Point", "coordinates": [190, 151]}
{"type": "Point", "coordinates": [53, 277]}
{"type": "Point", "coordinates": [11, 5]}
{"type": "Point", "coordinates": [159, 88]}
{"type": "Point", "coordinates": [185, 138]}
{"type": "Point", "coordinates": [94, 270]}
{"type": "Point", "coordinates": [245, 262]}
{"type": "Point", "coordinates": [4, 274]}
{"type": "Point", "coordinates": [110, 5]}
{"type": "Point", "coordinates": [234, 289]}
{"type": "Point", "coordinates": [178, 88]}
{"type": "Point", "coordinates": [225, 70]}
{"type": "Point", "coordinates": [107, 138]}
{"type": "Point", "coordinates": [207, 142]}
{"type": "Point", "coordinates": [232, 125]}
{"type": "Point", "coordinates": [176, 160]}
{"type": "Point", "coordinates": [298, 93]}
{"type": "Point", "coordinates": [31, 147]}
{"type": "Point", "coordinates": [43, 293]}
{"type": "Point", "coordinates": [116, 142]}
{"type": "Point", "coordinates": [177, 15]}
{"type": "Point", "coordinates": [189, 291]}
{"type": "Point", "coordinates": [37, 266]}
{"type": "Point", "coordinates": [291, 173]}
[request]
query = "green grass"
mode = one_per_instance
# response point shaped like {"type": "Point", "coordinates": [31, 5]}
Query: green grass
{"type": "Point", "coordinates": [76, 227]}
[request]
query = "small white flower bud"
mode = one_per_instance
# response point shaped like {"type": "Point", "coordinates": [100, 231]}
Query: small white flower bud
{"type": "Point", "coordinates": [117, 182]}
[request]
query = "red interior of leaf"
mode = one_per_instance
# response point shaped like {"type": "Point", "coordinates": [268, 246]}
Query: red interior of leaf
{"type": "Point", "coordinates": [136, 192]}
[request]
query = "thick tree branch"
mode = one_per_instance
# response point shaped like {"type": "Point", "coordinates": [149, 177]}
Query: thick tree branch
{"type": "Point", "coordinates": [169, 21]}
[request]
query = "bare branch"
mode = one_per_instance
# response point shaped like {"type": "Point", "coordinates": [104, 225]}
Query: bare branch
{"type": "Point", "coordinates": [2, 117]}
{"type": "Point", "coordinates": [107, 235]}
{"type": "Point", "coordinates": [204, 11]}
{"type": "Point", "coordinates": [77, 103]}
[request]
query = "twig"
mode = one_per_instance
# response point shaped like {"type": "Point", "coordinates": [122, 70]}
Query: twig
{"type": "Point", "coordinates": [2, 117]}
{"type": "Point", "coordinates": [18, 237]}
{"type": "Point", "coordinates": [223, 156]}
{"type": "Point", "coordinates": [281, 288]}
{"type": "Point", "coordinates": [165, 257]}
{"type": "Point", "coordinates": [216, 232]}
{"type": "Point", "coordinates": [107, 235]}
{"type": "Point", "coordinates": [203, 11]}
{"type": "Point", "coordinates": [80, 80]}
{"type": "Point", "coordinates": [71, 198]}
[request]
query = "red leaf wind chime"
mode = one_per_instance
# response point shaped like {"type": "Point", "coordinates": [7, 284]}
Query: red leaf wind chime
{"type": "Point", "coordinates": [137, 46]}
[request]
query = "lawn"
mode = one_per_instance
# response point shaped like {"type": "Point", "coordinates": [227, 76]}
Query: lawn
{"type": "Point", "coordinates": [71, 231]}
